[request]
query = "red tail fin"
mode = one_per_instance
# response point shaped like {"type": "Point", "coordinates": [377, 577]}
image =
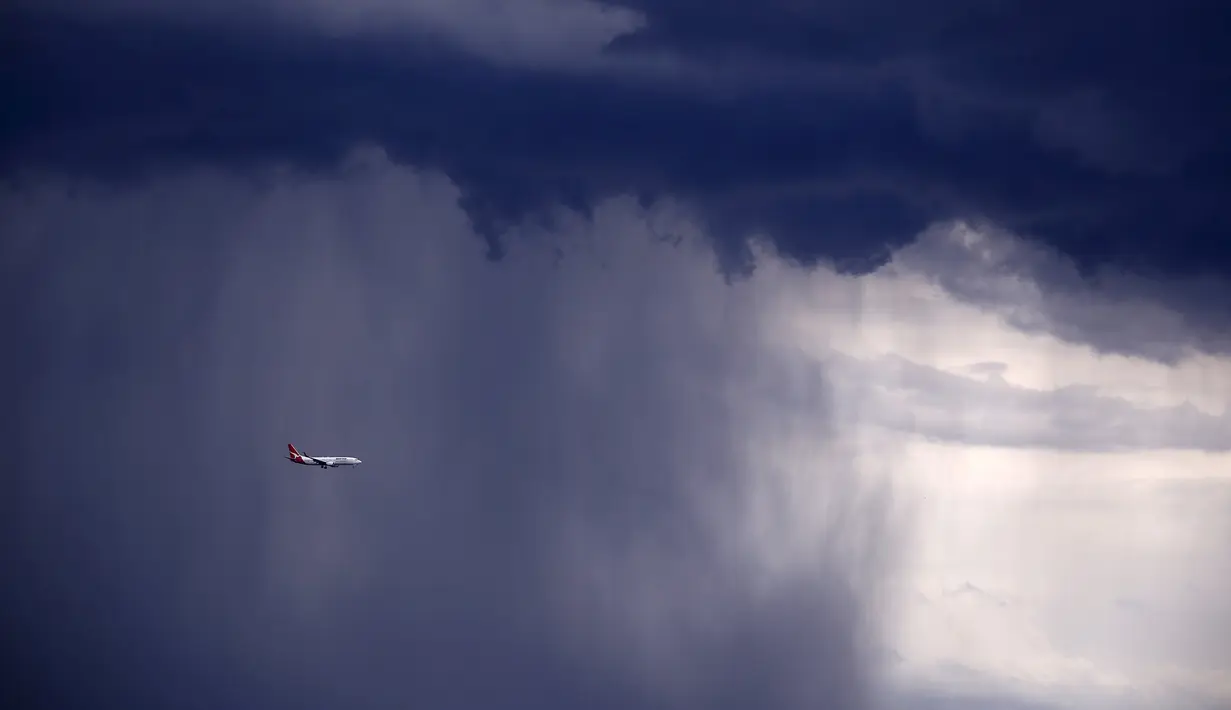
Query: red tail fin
{"type": "Point", "coordinates": [294, 454]}
{"type": "Point", "coordinates": [292, 448]}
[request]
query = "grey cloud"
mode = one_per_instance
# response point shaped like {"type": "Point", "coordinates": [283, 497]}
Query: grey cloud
{"type": "Point", "coordinates": [1040, 290]}
{"type": "Point", "coordinates": [527, 428]}
{"type": "Point", "coordinates": [915, 398]}
{"type": "Point", "coordinates": [924, 700]}
{"type": "Point", "coordinates": [838, 129]}
{"type": "Point", "coordinates": [966, 589]}
{"type": "Point", "coordinates": [559, 33]}
{"type": "Point", "coordinates": [944, 701]}
{"type": "Point", "coordinates": [988, 369]}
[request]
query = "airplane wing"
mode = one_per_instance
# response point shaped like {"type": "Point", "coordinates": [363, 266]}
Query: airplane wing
{"type": "Point", "coordinates": [323, 463]}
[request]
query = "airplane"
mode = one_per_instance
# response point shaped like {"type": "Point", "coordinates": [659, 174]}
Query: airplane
{"type": "Point", "coordinates": [322, 461]}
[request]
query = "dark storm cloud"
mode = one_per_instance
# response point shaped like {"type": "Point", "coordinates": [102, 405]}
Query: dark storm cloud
{"type": "Point", "coordinates": [1040, 290]}
{"type": "Point", "coordinates": [551, 507]}
{"type": "Point", "coordinates": [842, 128]}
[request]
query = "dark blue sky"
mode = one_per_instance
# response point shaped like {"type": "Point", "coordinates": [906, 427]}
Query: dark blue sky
{"type": "Point", "coordinates": [179, 312]}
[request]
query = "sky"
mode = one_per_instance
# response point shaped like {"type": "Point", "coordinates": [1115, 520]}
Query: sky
{"type": "Point", "coordinates": [700, 355]}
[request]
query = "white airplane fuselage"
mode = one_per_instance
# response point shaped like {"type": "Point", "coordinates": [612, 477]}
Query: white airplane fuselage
{"type": "Point", "coordinates": [322, 461]}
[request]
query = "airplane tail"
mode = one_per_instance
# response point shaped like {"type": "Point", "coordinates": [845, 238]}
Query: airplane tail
{"type": "Point", "coordinates": [295, 455]}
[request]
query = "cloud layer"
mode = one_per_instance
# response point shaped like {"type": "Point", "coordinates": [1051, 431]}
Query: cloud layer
{"type": "Point", "coordinates": [566, 492]}
{"type": "Point", "coordinates": [598, 472]}
{"type": "Point", "coordinates": [840, 130]}
{"type": "Point", "coordinates": [990, 411]}
{"type": "Point", "coordinates": [594, 469]}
